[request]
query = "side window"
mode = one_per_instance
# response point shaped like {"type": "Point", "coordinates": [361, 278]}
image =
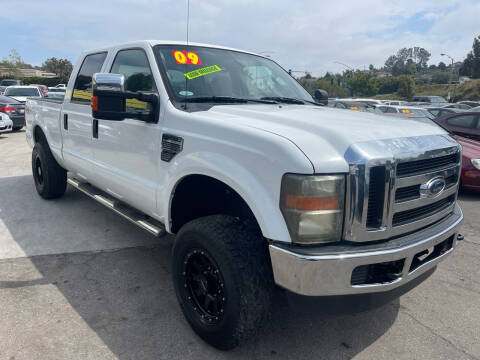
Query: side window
{"type": "Point", "coordinates": [465, 121]}
{"type": "Point", "coordinates": [435, 112]}
{"type": "Point", "coordinates": [133, 64]}
{"type": "Point", "coordinates": [391, 110]}
{"type": "Point", "coordinates": [82, 90]}
{"type": "Point", "coordinates": [383, 109]}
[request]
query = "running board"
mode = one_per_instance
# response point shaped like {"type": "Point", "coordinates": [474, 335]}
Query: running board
{"type": "Point", "coordinates": [141, 220]}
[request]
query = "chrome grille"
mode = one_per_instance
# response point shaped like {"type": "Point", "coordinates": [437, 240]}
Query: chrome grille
{"type": "Point", "coordinates": [384, 197]}
{"type": "Point", "coordinates": [422, 166]}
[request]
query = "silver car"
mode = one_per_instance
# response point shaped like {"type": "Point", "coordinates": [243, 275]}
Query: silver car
{"type": "Point", "coordinates": [6, 124]}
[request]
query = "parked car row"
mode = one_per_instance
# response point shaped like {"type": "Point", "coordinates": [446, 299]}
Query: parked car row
{"type": "Point", "coordinates": [13, 95]}
{"type": "Point", "coordinates": [461, 120]}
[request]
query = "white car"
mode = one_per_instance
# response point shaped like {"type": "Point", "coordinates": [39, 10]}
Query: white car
{"type": "Point", "coordinates": [406, 111]}
{"type": "Point", "coordinates": [260, 182]}
{"type": "Point", "coordinates": [21, 93]}
{"type": "Point", "coordinates": [6, 125]}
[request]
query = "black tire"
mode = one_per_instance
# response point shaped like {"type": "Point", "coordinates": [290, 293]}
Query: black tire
{"type": "Point", "coordinates": [50, 178]}
{"type": "Point", "coordinates": [17, 128]}
{"type": "Point", "coordinates": [238, 251]}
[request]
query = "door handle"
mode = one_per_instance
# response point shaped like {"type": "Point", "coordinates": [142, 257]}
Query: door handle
{"type": "Point", "coordinates": [65, 121]}
{"type": "Point", "coordinates": [95, 128]}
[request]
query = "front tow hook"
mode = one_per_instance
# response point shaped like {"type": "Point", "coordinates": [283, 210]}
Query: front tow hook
{"type": "Point", "coordinates": [460, 237]}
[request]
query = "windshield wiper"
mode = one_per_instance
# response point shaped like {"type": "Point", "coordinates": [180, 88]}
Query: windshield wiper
{"type": "Point", "coordinates": [227, 99]}
{"type": "Point", "coordinates": [286, 100]}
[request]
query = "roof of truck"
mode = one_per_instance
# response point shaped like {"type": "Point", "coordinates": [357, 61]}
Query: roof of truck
{"type": "Point", "coordinates": [166, 42]}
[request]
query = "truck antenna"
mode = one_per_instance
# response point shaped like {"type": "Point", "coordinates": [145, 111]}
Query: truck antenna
{"type": "Point", "coordinates": [188, 17]}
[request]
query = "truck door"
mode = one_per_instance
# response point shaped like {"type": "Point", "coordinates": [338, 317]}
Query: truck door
{"type": "Point", "coordinates": [127, 152]}
{"type": "Point", "coordinates": [76, 119]}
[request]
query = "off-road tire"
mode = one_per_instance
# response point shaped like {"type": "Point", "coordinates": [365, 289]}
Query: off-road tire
{"type": "Point", "coordinates": [240, 253]}
{"type": "Point", "coordinates": [49, 177]}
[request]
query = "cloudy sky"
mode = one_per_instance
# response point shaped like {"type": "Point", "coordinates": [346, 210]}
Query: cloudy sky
{"type": "Point", "coordinates": [303, 35]}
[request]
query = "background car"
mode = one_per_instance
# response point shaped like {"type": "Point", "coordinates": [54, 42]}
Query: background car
{"type": "Point", "coordinates": [60, 95]}
{"type": "Point", "coordinates": [465, 124]}
{"type": "Point", "coordinates": [395, 102]}
{"type": "Point", "coordinates": [470, 178]}
{"type": "Point", "coordinates": [43, 88]}
{"type": "Point", "coordinates": [15, 110]}
{"type": "Point", "coordinates": [353, 105]}
{"type": "Point", "coordinates": [440, 111]}
{"type": "Point", "coordinates": [406, 111]}
{"type": "Point", "coordinates": [6, 124]}
{"type": "Point", "coordinates": [470, 103]}
{"type": "Point", "coordinates": [432, 100]}
{"type": "Point", "coordinates": [21, 93]}
{"type": "Point", "coordinates": [458, 106]}
{"type": "Point", "coordinates": [474, 109]}
{"type": "Point", "coordinates": [8, 82]}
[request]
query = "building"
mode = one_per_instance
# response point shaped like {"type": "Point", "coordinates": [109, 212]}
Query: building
{"type": "Point", "coordinates": [26, 73]}
{"type": "Point", "coordinates": [381, 74]}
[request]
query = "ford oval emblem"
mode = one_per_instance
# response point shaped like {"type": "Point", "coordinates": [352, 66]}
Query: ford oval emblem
{"type": "Point", "coordinates": [433, 187]}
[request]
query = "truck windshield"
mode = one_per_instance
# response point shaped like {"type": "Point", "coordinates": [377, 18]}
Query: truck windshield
{"type": "Point", "coordinates": [197, 73]}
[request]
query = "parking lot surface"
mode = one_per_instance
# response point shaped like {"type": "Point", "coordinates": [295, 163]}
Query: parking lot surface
{"type": "Point", "coordinates": [79, 282]}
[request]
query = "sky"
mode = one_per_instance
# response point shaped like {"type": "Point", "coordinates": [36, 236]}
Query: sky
{"type": "Point", "coordinates": [305, 35]}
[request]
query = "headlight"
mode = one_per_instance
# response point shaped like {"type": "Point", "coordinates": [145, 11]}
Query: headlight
{"type": "Point", "coordinates": [313, 207]}
{"type": "Point", "coordinates": [476, 163]}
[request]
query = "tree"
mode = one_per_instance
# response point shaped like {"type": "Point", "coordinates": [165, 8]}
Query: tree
{"type": "Point", "coordinates": [401, 62]}
{"type": "Point", "coordinates": [442, 66]}
{"type": "Point", "coordinates": [362, 84]}
{"type": "Point", "coordinates": [406, 87]}
{"type": "Point", "coordinates": [61, 67]}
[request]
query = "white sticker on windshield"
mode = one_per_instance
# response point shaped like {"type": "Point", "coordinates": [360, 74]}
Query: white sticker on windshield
{"type": "Point", "coordinates": [185, 93]}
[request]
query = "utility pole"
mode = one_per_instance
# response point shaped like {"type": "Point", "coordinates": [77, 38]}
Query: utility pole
{"type": "Point", "coordinates": [451, 78]}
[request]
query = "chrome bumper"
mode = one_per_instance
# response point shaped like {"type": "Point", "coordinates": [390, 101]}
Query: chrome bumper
{"type": "Point", "coordinates": [328, 270]}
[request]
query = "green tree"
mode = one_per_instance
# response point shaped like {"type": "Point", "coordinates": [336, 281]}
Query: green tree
{"type": "Point", "coordinates": [406, 87]}
{"type": "Point", "coordinates": [362, 84]}
{"type": "Point", "coordinates": [61, 67]}
{"type": "Point", "coordinates": [442, 66]}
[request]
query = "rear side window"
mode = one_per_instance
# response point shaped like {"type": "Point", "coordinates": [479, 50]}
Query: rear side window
{"type": "Point", "coordinates": [465, 121]}
{"type": "Point", "coordinates": [391, 110]}
{"type": "Point", "coordinates": [82, 91]}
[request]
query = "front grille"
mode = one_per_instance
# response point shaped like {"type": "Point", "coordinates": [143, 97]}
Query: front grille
{"type": "Point", "coordinates": [422, 212]}
{"type": "Point", "coordinates": [376, 196]}
{"type": "Point", "coordinates": [422, 166]}
{"type": "Point", "coordinates": [407, 193]}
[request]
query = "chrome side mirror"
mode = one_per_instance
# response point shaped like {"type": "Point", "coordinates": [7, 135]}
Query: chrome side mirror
{"type": "Point", "coordinates": [107, 81]}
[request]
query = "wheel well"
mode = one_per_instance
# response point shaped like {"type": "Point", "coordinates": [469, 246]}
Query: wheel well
{"type": "Point", "coordinates": [199, 195]}
{"type": "Point", "coordinates": [38, 135]}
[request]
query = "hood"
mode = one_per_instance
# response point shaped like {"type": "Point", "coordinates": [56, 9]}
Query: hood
{"type": "Point", "coordinates": [22, 99]}
{"type": "Point", "coordinates": [471, 148]}
{"type": "Point", "coordinates": [323, 134]}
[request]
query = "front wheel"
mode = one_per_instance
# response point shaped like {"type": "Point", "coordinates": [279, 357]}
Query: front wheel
{"type": "Point", "coordinates": [223, 278]}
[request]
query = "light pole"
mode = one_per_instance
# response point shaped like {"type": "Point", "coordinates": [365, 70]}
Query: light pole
{"type": "Point", "coordinates": [351, 72]}
{"type": "Point", "coordinates": [451, 76]}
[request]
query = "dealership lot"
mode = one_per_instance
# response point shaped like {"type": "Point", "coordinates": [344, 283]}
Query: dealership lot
{"type": "Point", "coordinates": [79, 282]}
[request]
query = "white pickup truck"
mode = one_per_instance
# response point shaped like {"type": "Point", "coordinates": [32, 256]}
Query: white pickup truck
{"type": "Point", "coordinates": [261, 183]}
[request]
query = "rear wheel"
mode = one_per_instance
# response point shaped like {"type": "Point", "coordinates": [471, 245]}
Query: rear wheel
{"type": "Point", "coordinates": [17, 128]}
{"type": "Point", "coordinates": [223, 278]}
{"type": "Point", "coordinates": [50, 178]}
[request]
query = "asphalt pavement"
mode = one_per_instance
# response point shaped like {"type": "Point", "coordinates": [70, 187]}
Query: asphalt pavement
{"type": "Point", "coordinates": [79, 282]}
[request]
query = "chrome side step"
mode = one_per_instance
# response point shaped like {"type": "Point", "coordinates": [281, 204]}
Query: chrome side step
{"type": "Point", "coordinates": [141, 220]}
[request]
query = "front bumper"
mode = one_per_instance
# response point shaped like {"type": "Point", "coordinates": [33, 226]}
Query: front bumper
{"type": "Point", "coordinates": [5, 125]}
{"type": "Point", "coordinates": [336, 269]}
{"type": "Point", "coordinates": [18, 121]}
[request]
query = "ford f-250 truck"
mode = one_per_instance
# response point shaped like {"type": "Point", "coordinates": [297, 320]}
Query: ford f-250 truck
{"type": "Point", "coordinates": [261, 184]}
